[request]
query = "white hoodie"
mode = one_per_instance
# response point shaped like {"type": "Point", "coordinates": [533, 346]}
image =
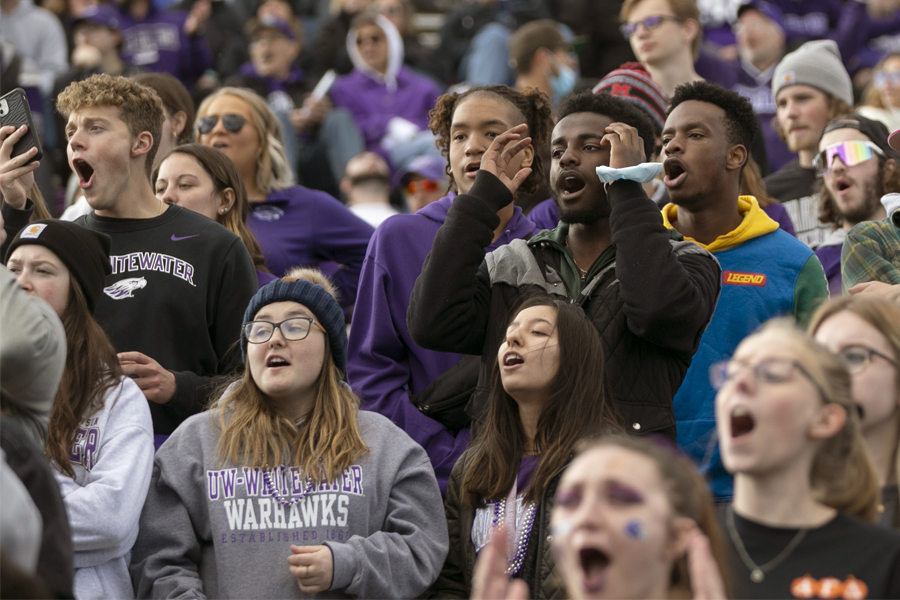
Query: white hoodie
{"type": "Point", "coordinates": [113, 459]}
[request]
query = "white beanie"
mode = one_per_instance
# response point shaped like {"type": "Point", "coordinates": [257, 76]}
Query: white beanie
{"type": "Point", "coordinates": [817, 64]}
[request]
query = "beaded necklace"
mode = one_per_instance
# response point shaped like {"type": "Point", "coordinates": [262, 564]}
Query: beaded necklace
{"type": "Point", "coordinates": [521, 533]}
{"type": "Point", "coordinates": [273, 490]}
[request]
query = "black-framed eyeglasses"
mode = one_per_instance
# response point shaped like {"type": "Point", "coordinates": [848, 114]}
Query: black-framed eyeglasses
{"type": "Point", "coordinates": [774, 370]}
{"type": "Point", "coordinates": [858, 358]}
{"type": "Point", "coordinates": [293, 330]}
{"type": "Point", "coordinates": [650, 23]}
{"type": "Point", "coordinates": [230, 121]}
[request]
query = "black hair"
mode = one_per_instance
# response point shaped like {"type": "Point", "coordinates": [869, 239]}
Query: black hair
{"type": "Point", "coordinates": [741, 123]}
{"type": "Point", "coordinates": [617, 109]}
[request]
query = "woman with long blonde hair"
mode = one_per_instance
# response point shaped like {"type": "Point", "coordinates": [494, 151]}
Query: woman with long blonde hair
{"type": "Point", "coordinates": [804, 484]}
{"type": "Point", "coordinates": [285, 488]}
{"type": "Point", "coordinates": [295, 225]}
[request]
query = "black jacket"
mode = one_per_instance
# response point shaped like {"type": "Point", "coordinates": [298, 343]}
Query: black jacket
{"type": "Point", "coordinates": [650, 296]}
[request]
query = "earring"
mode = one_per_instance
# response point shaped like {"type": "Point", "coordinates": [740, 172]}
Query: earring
{"type": "Point", "coordinates": [223, 211]}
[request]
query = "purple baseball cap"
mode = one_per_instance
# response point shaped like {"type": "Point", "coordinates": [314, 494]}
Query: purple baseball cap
{"type": "Point", "coordinates": [100, 14]}
{"type": "Point", "coordinates": [768, 10]}
{"type": "Point", "coordinates": [272, 22]}
{"type": "Point", "coordinates": [427, 165]}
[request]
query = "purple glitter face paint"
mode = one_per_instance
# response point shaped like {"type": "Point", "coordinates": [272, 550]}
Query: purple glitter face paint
{"type": "Point", "coordinates": [634, 529]}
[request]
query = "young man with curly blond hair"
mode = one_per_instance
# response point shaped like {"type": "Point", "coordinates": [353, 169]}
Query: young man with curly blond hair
{"type": "Point", "coordinates": [180, 282]}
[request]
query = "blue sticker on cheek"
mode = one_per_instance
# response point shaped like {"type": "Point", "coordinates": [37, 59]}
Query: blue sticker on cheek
{"type": "Point", "coordinates": [634, 529]}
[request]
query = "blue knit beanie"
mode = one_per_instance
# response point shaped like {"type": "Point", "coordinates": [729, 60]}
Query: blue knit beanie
{"type": "Point", "coordinates": [315, 298]}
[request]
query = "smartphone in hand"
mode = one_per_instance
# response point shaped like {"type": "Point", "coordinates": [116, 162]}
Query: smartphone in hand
{"type": "Point", "coordinates": [14, 110]}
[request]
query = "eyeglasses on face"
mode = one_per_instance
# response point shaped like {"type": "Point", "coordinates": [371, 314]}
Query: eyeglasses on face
{"type": "Point", "coordinates": [851, 154]}
{"type": "Point", "coordinates": [650, 23]}
{"type": "Point", "coordinates": [857, 358]}
{"type": "Point", "coordinates": [231, 122]}
{"type": "Point", "coordinates": [772, 371]}
{"type": "Point", "coordinates": [425, 185]}
{"type": "Point", "coordinates": [293, 330]}
{"type": "Point", "coordinates": [885, 78]}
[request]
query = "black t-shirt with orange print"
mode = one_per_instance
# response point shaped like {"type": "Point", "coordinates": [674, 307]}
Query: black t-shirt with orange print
{"type": "Point", "coordinates": [845, 558]}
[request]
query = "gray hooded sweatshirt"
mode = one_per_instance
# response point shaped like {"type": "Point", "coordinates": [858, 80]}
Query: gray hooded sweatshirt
{"type": "Point", "coordinates": [217, 529]}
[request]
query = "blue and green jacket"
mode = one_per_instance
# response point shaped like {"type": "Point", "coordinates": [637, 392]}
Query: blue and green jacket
{"type": "Point", "coordinates": [766, 273]}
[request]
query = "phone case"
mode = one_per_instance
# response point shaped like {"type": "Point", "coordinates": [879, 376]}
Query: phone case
{"type": "Point", "coordinates": [14, 110]}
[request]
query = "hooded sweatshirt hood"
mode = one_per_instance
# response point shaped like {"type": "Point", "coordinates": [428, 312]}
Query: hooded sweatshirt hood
{"type": "Point", "coordinates": [395, 54]}
{"type": "Point", "coordinates": [755, 224]}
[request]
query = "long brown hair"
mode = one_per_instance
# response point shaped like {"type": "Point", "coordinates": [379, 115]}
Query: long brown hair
{"type": "Point", "coordinates": [688, 497]}
{"type": "Point", "coordinates": [255, 435]}
{"type": "Point", "coordinates": [842, 475]}
{"type": "Point", "coordinates": [579, 407]}
{"type": "Point", "coordinates": [224, 174]}
{"type": "Point", "coordinates": [92, 369]}
{"type": "Point", "coordinates": [880, 314]}
{"type": "Point", "coordinates": [533, 106]}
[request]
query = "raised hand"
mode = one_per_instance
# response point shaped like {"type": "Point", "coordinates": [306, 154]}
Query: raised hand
{"type": "Point", "coordinates": [706, 580]}
{"type": "Point", "coordinates": [490, 581]}
{"type": "Point", "coordinates": [626, 146]}
{"type": "Point", "coordinates": [16, 177]}
{"type": "Point", "coordinates": [498, 156]}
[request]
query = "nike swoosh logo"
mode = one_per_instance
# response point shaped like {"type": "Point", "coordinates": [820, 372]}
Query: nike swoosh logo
{"type": "Point", "coordinates": [175, 238]}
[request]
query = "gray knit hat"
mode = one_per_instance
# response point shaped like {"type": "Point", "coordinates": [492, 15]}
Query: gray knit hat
{"type": "Point", "coordinates": [316, 299]}
{"type": "Point", "coordinates": [817, 64]}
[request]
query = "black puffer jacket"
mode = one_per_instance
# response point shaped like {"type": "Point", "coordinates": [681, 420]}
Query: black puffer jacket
{"type": "Point", "coordinates": [539, 566]}
{"type": "Point", "coordinates": [650, 295]}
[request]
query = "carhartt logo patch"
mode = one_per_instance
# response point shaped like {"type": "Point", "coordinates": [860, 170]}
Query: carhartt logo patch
{"type": "Point", "coordinates": [787, 77]}
{"type": "Point", "coordinates": [738, 278]}
{"type": "Point", "coordinates": [33, 231]}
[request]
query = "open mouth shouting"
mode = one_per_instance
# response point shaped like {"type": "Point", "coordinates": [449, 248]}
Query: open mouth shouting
{"type": "Point", "coordinates": [276, 362]}
{"type": "Point", "coordinates": [841, 185]}
{"type": "Point", "coordinates": [472, 168]}
{"type": "Point", "coordinates": [570, 185]}
{"type": "Point", "coordinates": [594, 563]}
{"type": "Point", "coordinates": [84, 171]}
{"type": "Point", "coordinates": [511, 360]}
{"type": "Point", "coordinates": [741, 423]}
{"type": "Point", "coordinates": [675, 172]}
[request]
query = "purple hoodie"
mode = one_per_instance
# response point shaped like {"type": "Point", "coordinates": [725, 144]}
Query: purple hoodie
{"type": "Point", "coordinates": [159, 44]}
{"type": "Point", "coordinates": [300, 226]}
{"type": "Point", "coordinates": [385, 365]}
{"type": "Point", "coordinates": [373, 104]}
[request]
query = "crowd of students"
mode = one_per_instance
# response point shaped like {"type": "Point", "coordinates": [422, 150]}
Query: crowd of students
{"type": "Point", "coordinates": [640, 340]}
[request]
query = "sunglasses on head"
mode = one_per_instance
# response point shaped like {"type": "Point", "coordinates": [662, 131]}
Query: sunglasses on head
{"type": "Point", "coordinates": [230, 122]}
{"type": "Point", "coordinates": [425, 185]}
{"type": "Point", "coordinates": [850, 153]}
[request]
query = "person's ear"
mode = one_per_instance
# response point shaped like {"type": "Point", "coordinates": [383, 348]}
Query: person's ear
{"type": "Point", "coordinates": [679, 538]}
{"type": "Point", "coordinates": [890, 171]}
{"type": "Point", "coordinates": [142, 144]}
{"type": "Point", "coordinates": [226, 200]}
{"type": "Point", "coordinates": [828, 422]}
{"type": "Point", "coordinates": [179, 122]}
{"type": "Point", "coordinates": [737, 156]}
{"type": "Point", "coordinates": [691, 30]}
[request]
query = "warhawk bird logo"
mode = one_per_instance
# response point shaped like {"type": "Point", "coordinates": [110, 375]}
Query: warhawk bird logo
{"type": "Point", "coordinates": [125, 288]}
